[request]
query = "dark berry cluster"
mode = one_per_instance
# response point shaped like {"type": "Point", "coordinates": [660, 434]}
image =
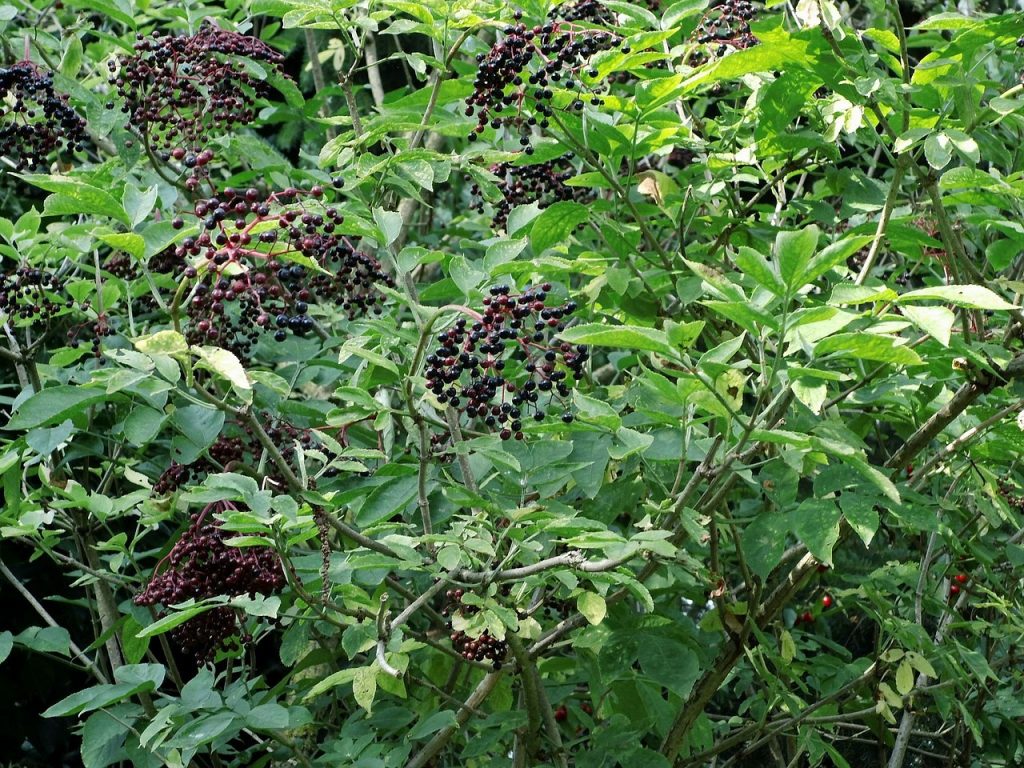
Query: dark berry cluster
{"type": "Point", "coordinates": [229, 450]}
{"type": "Point", "coordinates": [727, 25]}
{"type": "Point", "coordinates": [482, 648]}
{"type": "Point", "coordinates": [94, 330]}
{"type": "Point", "coordinates": [120, 264]}
{"type": "Point", "coordinates": [504, 365]}
{"type": "Point", "coordinates": [201, 564]}
{"type": "Point", "coordinates": [591, 11]}
{"type": "Point", "coordinates": [542, 183]}
{"type": "Point", "coordinates": [32, 296]}
{"type": "Point", "coordinates": [35, 121]}
{"type": "Point", "coordinates": [1013, 498]}
{"type": "Point", "coordinates": [507, 83]}
{"type": "Point", "coordinates": [248, 281]}
{"type": "Point", "coordinates": [180, 90]}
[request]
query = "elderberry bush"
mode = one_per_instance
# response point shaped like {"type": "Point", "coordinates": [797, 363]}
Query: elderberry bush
{"type": "Point", "coordinates": [514, 85]}
{"type": "Point", "coordinates": [182, 90]}
{"type": "Point", "coordinates": [202, 564]}
{"type": "Point", "coordinates": [246, 279]}
{"type": "Point", "coordinates": [541, 183]}
{"type": "Point", "coordinates": [504, 365]}
{"type": "Point", "coordinates": [35, 120]}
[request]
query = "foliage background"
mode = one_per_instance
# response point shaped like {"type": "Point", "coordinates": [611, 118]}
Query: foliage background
{"type": "Point", "coordinates": [783, 525]}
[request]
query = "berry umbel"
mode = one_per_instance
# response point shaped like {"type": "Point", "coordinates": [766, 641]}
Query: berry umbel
{"type": "Point", "coordinates": [35, 120]}
{"type": "Point", "coordinates": [504, 365]}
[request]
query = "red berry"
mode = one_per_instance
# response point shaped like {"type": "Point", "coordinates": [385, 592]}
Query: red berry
{"type": "Point", "coordinates": [807, 617]}
{"type": "Point", "coordinates": [826, 602]}
{"type": "Point", "coordinates": [961, 578]}
{"type": "Point", "coordinates": [561, 714]}
{"type": "Point", "coordinates": [954, 589]}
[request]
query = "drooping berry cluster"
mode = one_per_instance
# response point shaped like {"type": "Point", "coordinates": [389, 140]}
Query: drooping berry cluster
{"type": "Point", "coordinates": [180, 90]}
{"type": "Point", "coordinates": [505, 364]}
{"type": "Point", "coordinates": [503, 84]}
{"type": "Point", "coordinates": [35, 121]}
{"type": "Point", "coordinates": [229, 450]}
{"type": "Point", "coordinates": [482, 648]}
{"type": "Point", "coordinates": [248, 281]}
{"type": "Point", "coordinates": [32, 296]}
{"type": "Point", "coordinates": [727, 25]}
{"type": "Point", "coordinates": [542, 183]}
{"type": "Point", "coordinates": [200, 565]}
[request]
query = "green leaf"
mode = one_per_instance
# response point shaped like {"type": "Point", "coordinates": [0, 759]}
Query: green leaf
{"type": "Point", "coordinates": [390, 224]}
{"type": "Point", "coordinates": [556, 223]}
{"type": "Point", "coordinates": [793, 251]}
{"type": "Point", "coordinates": [267, 717]}
{"type": "Point", "coordinates": [161, 343]}
{"type": "Point", "coordinates": [224, 363]}
{"type": "Point", "coordinates": [921, 664]}
{"type": "Point", "coordinates": [364, 686]}
{"type": "Point", "coordinates": [54, 405]}
{"type": "Point", "coordinates": [904, 678]}
{"type": "Point", "coordinates": [868, 346]}
{"type": "Point", "coordinates": [432, 724]}
{"type": "Point", "coordinates": [938, 150]}
{"type": "Point", "coordinates": [937, 322]}
{"type": "Point", "coordinates": [172, 620]}
{"type": "Point", "coordinates": [387, 500]}
{"type": "Point", "coordinates": [970, 296]}
{"type": "Point", "coordinates": [6, 644]}
{"type": "Point", "coordinates": [619, 336]}
{"type": "Point", "coordinates": [592, 606]}
{"type": "Point", "coordinates": [103, 738]}
{"type": "Point", "coordinates": [764, 541]}
{"type": "Point", "coordinates": [754, 264]}
{"type": "Point", "coordinates": [816, 523]}
{"type": "Point", "coordinates": [77, 196]}
{"type": "Point", "coordinates": [787, 648]}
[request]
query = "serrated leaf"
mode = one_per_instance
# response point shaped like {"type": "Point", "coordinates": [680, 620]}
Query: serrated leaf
{"type": "Point", "coordinates": [970, 296]}
{"type": "Point", "coordinates": [619, 336]}
{"type": "Point", "coordinates": [556, 223]}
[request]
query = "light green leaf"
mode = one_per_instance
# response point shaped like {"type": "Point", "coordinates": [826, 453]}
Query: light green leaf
{"type": "Point", "coordinates": [937, 322]}
{"type": "Point", "coordinates": [904, 677]}
{"type": "Point", "coordinates": [868, 346]}
{"type": "Point", "coordinates": [793, 251]}
{"type": "Point", "coordinates": [592, 606]}
{"type": "Point", "coordinates": [77, 196]}
{"type": "Point", "coordinates": [364, 686]}
{"type": "Point", "coordinates": [970, 296]}
{"type": "Point", "coordinates": [161, 343]}
{"type": "Point", "coordinates": [619, 336]}
{"type": "Point", "coordinates": [224, 363]}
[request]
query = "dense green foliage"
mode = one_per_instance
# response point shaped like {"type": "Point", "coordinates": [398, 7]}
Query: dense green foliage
{"type": "Point", "coordinates": [456, 384]}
